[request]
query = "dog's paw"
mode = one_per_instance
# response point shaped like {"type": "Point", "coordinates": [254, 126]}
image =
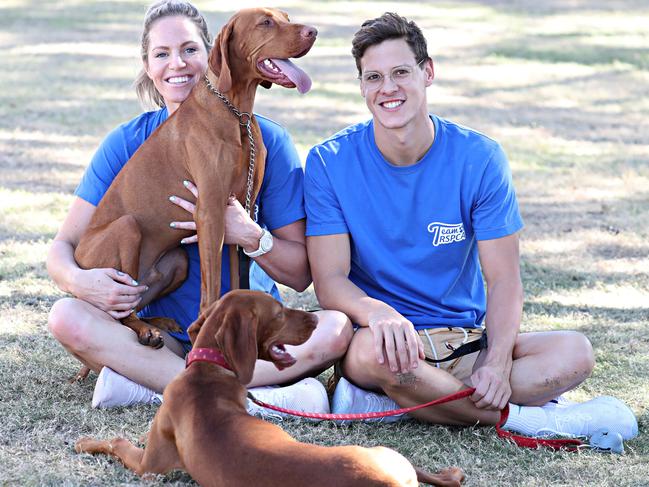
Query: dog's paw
{"type": "Point", "coordinates": [80, 376]}
{"type": "Point", "coordinates": [151, 338]}
{"type": "Point", "coordinates": [165, 324]}
{"type": "Point", "coordinates": [86, 445]}
{"type": "Point", "coordinates": [453, 475]}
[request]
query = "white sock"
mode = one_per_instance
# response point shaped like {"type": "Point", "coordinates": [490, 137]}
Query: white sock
{"type": "Point", "coordinates": [526, 420]}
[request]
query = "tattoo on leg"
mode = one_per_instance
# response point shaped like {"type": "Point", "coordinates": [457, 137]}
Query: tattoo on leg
{"type": "Point", "coordinates": [552, 383]}
{"type": "Point", "coordinates": [406, 379]}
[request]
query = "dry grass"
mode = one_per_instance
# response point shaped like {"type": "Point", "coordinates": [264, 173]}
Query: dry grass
{"type": "Point", "coordinates": [563, 85]}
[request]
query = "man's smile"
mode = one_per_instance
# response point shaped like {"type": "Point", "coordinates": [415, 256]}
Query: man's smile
{"type": "Point", "coordinates": [391, 104]}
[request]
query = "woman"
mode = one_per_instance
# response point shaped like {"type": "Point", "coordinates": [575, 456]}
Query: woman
{"type": "Point", "coordinates": [175, 45]}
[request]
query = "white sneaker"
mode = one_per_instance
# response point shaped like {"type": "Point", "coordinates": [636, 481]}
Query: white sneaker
{"type": "Point", "coordinates": [113, 389]}
{"type": "Point", "coordinates": [584, 419]}
{"type": "Point", "coordinates": [307, 396]}
{"type": "Point", "coordinates": [349, 399]}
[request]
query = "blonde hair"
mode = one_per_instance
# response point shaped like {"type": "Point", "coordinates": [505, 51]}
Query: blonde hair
{"type": "Point", "coordinates": [144, 87]}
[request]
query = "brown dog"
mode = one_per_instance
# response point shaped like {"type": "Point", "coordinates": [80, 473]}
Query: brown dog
{"type": "Point", "coordinates": [203, 427]}
{"type": "Point", "coordinates": [203, 142]}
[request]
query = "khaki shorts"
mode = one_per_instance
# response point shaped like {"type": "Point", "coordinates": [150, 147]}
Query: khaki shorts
{"type": "Point", "coordinates": [440, 342]}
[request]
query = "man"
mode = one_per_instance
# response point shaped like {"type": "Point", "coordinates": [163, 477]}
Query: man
{"type": "Point", "coordinates": [406, 214]}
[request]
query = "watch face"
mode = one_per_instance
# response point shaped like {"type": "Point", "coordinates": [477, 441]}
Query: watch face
{"type": "Point", "coordinates": [266, 241]}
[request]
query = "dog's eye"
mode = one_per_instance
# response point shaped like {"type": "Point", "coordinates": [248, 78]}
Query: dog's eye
{"type": "Point", "coordinates": [266, 22]}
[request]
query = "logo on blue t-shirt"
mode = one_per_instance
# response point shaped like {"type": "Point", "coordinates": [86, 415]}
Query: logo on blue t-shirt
{"type": "Point", "coordinates": [446, 233]}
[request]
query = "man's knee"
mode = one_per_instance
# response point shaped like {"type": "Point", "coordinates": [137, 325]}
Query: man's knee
{"type": "Point", "coordinates": [65, 325]}
{"type": "Point", "coordinates": [361, 364]}
{"type": "Point", "coordinates": [580, 350]}
{"type": "Point", "coordinates": [334, 336]}
{"type": "Point", "coordinates": [567, 356]}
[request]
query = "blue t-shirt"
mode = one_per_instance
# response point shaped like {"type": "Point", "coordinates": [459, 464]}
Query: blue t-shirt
{"type": "Point", "coordinates": [280, 202]}
{"type": "Point", "coordinates": [414, 229]}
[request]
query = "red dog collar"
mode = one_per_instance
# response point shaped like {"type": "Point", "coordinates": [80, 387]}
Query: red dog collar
{"type": "Point", "coordinates": [206, 355]}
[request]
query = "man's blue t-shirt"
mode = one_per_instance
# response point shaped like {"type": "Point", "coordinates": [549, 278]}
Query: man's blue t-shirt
{"type": "Point", "coordinates": [280, 202]}
{"type": "Point", "coordinates": [414, 229]}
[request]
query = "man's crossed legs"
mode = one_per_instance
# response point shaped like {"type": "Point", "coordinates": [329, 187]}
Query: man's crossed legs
{"type": "Point", "coordinates": [545, 365]}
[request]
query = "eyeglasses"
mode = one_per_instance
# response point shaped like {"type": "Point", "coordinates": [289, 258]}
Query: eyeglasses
{"type": "Point", "coordinates": [399, 75]}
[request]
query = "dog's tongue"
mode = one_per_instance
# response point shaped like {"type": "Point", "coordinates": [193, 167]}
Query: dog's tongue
{"type": "Point", "coordinates": [295, 74]}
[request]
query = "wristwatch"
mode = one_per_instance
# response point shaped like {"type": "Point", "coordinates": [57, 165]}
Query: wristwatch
{"type": "Point", "coordinates": [265, 244]}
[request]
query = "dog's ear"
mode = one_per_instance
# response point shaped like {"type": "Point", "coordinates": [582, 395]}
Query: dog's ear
{"type": "Point", "coordinates": [237, 340]}
{"type": "Point", "coordinates": [194, 328]}
{"type": "Point", "coordinates": [266, 84]}
{"type": "Point", "coordinates": [220, 58]}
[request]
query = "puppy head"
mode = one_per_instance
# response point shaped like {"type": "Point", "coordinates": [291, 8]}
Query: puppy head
{"type": "Point", "coordinates": [246, 325]}
{"type": "Point", "coordinates": [283, 326]}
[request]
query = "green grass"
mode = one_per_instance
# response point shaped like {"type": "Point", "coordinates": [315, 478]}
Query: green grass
{"type": "Point", "coordinates": [562, 85]}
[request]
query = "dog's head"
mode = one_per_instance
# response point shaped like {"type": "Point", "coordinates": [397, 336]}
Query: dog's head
{"type": "Point", "coordinates": [256, 44]}
{"type": "Point", "coordinates": [247, 325]}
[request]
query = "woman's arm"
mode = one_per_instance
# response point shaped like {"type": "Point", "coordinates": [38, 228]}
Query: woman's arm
{"type": "Point", "coordinates": [107, 289]}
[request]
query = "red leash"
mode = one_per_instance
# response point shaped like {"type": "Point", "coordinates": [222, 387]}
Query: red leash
{"type": "Point", "coordinates": [370, 415]}
{"type": "Point", "coordinates": [570, 444]}
{"type": "Point", "coordinates": [215, 357]}
{"type": "Point", "coordinates": [522, 441]}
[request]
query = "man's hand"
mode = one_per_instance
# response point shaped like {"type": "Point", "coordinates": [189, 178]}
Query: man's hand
{"type": "Point", "coordinates": [492, 388]}
{"type": "Point", "coordinates": [240, 229]}
{"type": "Point", "coordinates": [395, 338]}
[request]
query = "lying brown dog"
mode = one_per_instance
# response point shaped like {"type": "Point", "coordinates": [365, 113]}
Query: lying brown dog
{"type": "Point", "coordinates": [204, 142]}
{"type": "Point", "coordinates": [203, 428]}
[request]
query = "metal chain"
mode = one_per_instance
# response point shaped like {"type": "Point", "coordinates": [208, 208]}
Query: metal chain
{"type": "Point", "coordinates": [245, 120]}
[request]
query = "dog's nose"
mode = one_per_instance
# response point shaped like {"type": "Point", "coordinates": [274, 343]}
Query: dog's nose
{"type": "Point", "coordinates": [309, 32]}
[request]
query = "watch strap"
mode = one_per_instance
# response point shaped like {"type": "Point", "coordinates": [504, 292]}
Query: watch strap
{"type": "Point", "coordinates": [265, 234]}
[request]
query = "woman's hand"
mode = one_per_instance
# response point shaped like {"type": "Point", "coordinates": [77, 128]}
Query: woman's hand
{"type": "Point", "coordinates": [110, 290]}
{"type": "Point", "coordinates": [190, 208]}
{"type": "Point", "coordinates": [240, 229]}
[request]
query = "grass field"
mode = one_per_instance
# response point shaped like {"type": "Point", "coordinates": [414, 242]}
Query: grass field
{"type": "Point", "coordinates": [563, 85]}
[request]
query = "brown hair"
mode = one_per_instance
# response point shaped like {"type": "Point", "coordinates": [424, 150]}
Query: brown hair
{"type": "Point", "coordinates": [388, 26]}
{"type": "Point", "coordinates": [144, 87]}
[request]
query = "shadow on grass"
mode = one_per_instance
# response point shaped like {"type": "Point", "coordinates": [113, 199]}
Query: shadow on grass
{"type": "Point", "coordinates": [555, 217]}
{"type": "Point", "coordinates": [36, 300]}
{"type": "Point", "coordinates": [107, 16]}
{"type": "Point", "coordinates": [551, 7]}
{"type": "Point", "coordinates": [522, 48]}
{"type": "Point", "coordinates": [626, 320]}
{"type": "Point", "coordinates": [539, 279]}
{"type": "Point", "coordinates": [579, 124]}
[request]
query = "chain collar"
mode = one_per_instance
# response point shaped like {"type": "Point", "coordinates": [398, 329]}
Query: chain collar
{"type": "Point", "coordinates": [245, 120]}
